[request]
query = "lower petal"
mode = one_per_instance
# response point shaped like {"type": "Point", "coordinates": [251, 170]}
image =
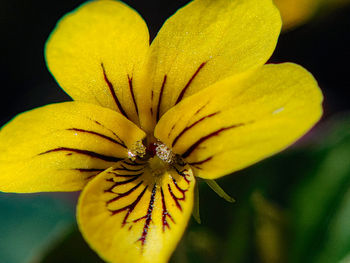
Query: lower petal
{"type": "Point", "coordinates": [135, 213]}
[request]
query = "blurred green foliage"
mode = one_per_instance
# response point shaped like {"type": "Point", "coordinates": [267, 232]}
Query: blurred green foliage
{"type": "Point", "coordinates": [30, 222]}
{"type": "Point", "coordinates": [70, 248]}
{"type": "Point", "coordinates": [293, 207]}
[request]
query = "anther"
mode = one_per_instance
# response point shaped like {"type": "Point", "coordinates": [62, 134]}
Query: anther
{"type": "Point", "coordinates": [136, 150]}
{"type": "Point", "coordinates": [164, 153]}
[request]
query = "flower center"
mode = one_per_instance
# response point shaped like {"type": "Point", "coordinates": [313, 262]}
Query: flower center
{"type": "Point", "coordinates": [157, 166]}
{"type": "Point", "coordinates": [158, 156]}
{"type": "Point", "coordinates": [158, 149]}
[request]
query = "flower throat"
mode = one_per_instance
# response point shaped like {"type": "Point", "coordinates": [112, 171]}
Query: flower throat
{"type": "Point", "coordinates": [154, 149]}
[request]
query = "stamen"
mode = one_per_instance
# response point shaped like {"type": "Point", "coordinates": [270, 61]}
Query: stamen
{"type": "Point", "coordinates": [164, 153]}
{"type": "Point", "coordinates": [137, 150]}
{"type": "Point", "coordinates": [131, 155]}
{"type": "Point", "coordinates": [154, 149]}
{"type": "Point", "coordinates": [161, 159]}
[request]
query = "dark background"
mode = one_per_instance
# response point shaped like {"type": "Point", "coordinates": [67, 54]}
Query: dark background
{"type": "Point", "coordinates": [321, 46]}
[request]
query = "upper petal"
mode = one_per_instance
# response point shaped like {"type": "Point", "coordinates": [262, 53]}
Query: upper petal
{"type": "Point", "coordinates": [93, 51]}
{"type": "Point", "coordinates": [59, 147]}
{"type": "Point", "coordinates": [296, 12]}
{"type": "Point", "coordinates": [239, 121]}
{"type": "Point", "coordinates": [129, 214]}
{"type": "Point", "coordinates": [202, 43]}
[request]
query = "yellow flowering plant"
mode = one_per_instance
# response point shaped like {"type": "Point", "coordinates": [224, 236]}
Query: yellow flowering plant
{"type": "Point", "coordinates": [148, 119]}
{"type": "Point", "coordinates": [297, 12]}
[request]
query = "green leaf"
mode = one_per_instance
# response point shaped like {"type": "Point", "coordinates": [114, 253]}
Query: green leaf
{"type": "Point", "coordinates": [219, 191]}
{"type": "Point", "coordinates": [318, 202]}
{"type": "Point", "coordinates": [195, 212]}
{"type": "Point", "coordinates": [337, 244]}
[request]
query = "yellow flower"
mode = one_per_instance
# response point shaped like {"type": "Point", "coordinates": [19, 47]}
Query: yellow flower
{"type": "Point", "coordinates": [148, 119]}
{"type": "Point", "coordinates": [297, 12]}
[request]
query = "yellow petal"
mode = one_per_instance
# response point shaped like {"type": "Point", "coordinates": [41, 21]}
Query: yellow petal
{"type": "Point", "coordinates": [134, 214]}
{"type": "Point", "coordinates": [202, 43]}
{"type": "Point", "coordinates": [296, 12]}
{"type": "Point", "coordinates": [239, 121]}
{"type": "Point", "coordinates": [93, 51]}
{"type": "Point", "coordinates": [59, 147]}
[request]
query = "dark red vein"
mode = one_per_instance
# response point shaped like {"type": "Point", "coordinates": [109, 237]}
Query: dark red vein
{"type": "Point", "coordinates": [121, 141]}
{"type": "Point", "coordinates": [85, 152]}
{"type": "Point", "coordinates": [201, 108]}
{"type": "Point", "coordinates": [139, 219]}
{"type": "Point", "coordinates": [189, 83]}
{"type": "Point", "coordinates": [123, 168]}
{"type": "Point", "coordinates": [182, 191]}
{"type": "Point", "coordinates": [110, 189]}
{"type": "Point", "coordinates": [175, 198]}
{"type": "Point", "coordinates": [124, 175]}
{"type": "Point", "coordinates": [151, 108]}
{"type": "Point", "coordinates": [191, 126]}
{"type": "Point", "coordinates": [171, 130]}
{"type": "Point", "coordinates": [148, 216]}
{"type": "Point", "coordinates": [95, 172]}
{"type": "Point", "coordinates": [125, 193]}
{"type": "Point", "coordinates": [182, 174]}
{"type": "Point", "coordinates": [88, 170]}
{"type": "Point", "coordinates": [165, 213]}
{"type": "Point", "coordinates": [97, 134]}
{"type": "Point", "coordinates": [160, 97]}
{"type": "Point", "coordinates": [114, 95]}
{"type": "Point", "coordinates": [198, 111]}
{"type": "Point", "coordinates": [203, 139]}
{"type": "Point", "coordinates": [201, 162]}
{"type": "Point", "coordinates": [134, 163]}
{"type": "Point", "coordinates": [130, 207]}
{"type": "Point", "coordinates": [131, 88]}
